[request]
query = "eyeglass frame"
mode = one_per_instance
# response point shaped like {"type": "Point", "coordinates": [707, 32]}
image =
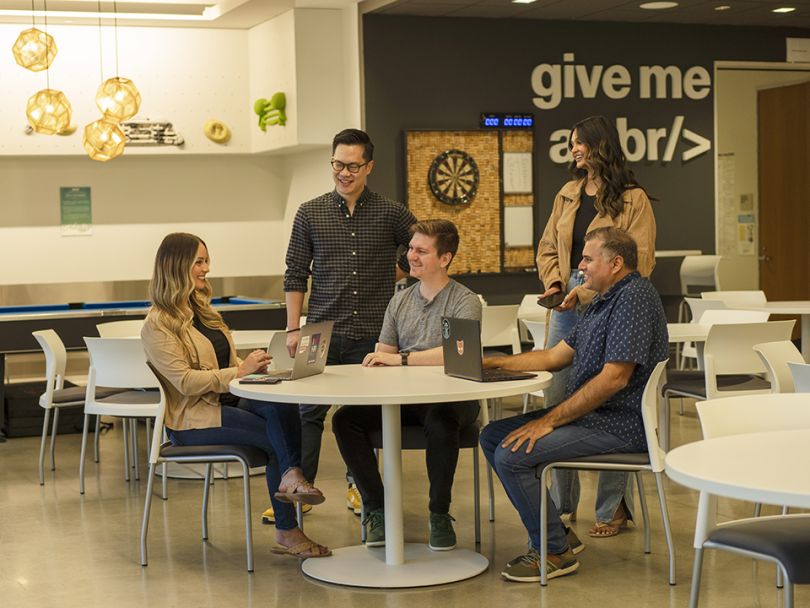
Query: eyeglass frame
{"type": "Point", "coordinates": [347, 166]}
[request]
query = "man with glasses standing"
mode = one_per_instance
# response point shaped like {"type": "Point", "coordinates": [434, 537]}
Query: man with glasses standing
{"type": "Point", "coordinates": [352, 241]}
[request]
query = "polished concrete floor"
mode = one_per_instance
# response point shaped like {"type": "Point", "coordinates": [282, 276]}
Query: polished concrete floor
{"type": "Point", "coordinates": [58, 548]}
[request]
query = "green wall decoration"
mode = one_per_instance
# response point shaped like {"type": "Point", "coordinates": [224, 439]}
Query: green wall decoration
{"type": "Point", "coordinates": [271, 112]}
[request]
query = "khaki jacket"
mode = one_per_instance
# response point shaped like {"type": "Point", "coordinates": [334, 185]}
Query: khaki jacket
{"type": "Point", "coordinates": [192, 387]}
{"type": "Point", "coordinates": [554, 261]}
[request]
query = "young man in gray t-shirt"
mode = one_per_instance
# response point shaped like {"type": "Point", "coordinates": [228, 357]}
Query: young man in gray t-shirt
{"type": "Point", "coordinates": [411, 335]}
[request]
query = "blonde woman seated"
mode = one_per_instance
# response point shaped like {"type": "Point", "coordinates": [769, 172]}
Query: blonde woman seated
{"type": "Point", "coordinates": [188, 343]}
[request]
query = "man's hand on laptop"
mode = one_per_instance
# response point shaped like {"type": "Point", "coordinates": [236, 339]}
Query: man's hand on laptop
{"type": "Point", "coordinates": [493, 362]}
{"type": "Point", "coordinates": [379, 358]}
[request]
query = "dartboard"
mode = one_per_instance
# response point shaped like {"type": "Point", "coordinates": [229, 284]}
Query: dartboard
{"type": "Point", "coordinates": [453, 177]}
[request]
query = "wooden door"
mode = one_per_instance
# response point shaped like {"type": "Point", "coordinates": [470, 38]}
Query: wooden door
{"type": "Point", "coordinates": [784, 192]}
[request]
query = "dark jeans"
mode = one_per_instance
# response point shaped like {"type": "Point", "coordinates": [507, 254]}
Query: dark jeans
{"type": "Point", "coordinates": [342, 351]}
{"type": "Point", "coordinates": [277, 434]}
{"type": "Point", "coordinates": [442, 423]}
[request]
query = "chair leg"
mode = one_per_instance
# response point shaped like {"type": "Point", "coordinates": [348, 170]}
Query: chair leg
{"type": "Point", "coordinates": [133, 425]}
{"type": "Point", "coordinates": [148, 438]}
{"type": "Point", "coordinates": [663, 423]}
{"type": "Point", "coordinates": [206, 491]}
{"type": "Point", "coordinates": [662, 501]}
{"type": "Point", "coordinates": [125, 429]}
{"type": "Point", "coordinates": [476, 496]}
{"type": "Point", "coordinates": [299, 515]}
{"type": "Point", "coordinates": [543, 525]}
{"type": "Point", "coordinates": [696, 568]}
{"type": "Point", "coordinates": [96, 438]}
{"type": "Point", "coordinates": [53, 437]}
{"type": "Point", "coordinates": [787, 594]}
{"type": "Point", "coordinates": [645, 514]}
{"type": "Point", "coordinates": [248, 522]}
{"type": "Point", "coordinates": [526, 398]}
{"type": "Point", "coordinates": [779, 582]}
{"type": "Point", "coordinates": [164, 484]}
{"type": "Point", "coordinates": [147, 507]}
{"type": "Point", "coordinates": [491, 492]}
{"type": "Point", "coordinates": [84, 449]}
{"type": "Point", "coordinates": [680, 407]}
{"type": "Point", "coordinates": [362, 525]}
{"type": "Point", "coordinates": [42, 446]}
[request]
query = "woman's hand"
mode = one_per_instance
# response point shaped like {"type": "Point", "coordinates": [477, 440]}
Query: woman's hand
{"type": "Point", "coordinates": [550, 291]}
{"type": "Point", "coordinates": [255, 362]}
{"type": "Point", "coordinates": [571, 300]}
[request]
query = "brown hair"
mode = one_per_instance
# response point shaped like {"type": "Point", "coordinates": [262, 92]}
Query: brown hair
{"type": "Point", "coordinates": [445, 233]}
{"type": "Point", "coordinates": [174, 298]}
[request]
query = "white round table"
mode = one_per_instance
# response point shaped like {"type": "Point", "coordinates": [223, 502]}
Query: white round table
{"type": "Point", "coordinates": [400, 564]}
{"type": "Point", "coordinates": [768, 467]}
{"type": "Point", "coordinates": [687, 332]}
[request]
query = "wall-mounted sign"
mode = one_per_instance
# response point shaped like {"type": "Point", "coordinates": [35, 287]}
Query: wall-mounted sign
{"type": "Point", "coordinates": [75, 211]}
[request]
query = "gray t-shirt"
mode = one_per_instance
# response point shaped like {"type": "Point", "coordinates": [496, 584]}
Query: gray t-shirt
{"type": "Point", "coordinates": [413, 324]}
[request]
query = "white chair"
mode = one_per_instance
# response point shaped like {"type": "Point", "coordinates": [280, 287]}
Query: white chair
{"type": "Point", "coordinates": [56, 396]}
{"type": "Point", "coordinates": [782, 539]}
{"type": "Point", "coordinates": [732, 367]}
{"type": "Point", "coordinates": [800, 372]}
{"type": "Point", "coordinates": [776, 356]}
{"type": "Point", "coordinates": [697, 306]}
{"type": "Point", "coordinates": [652, 460]}
{"type": "Point", "coordinates": [753, 297]}
{"type": "Point", "coordinates": [119, 363]}
{"type": "Point", "coordinates": [131, 328]}
{"type": "Point", "coordinates": [164, 452]}
{"type": "Point", "coordinates": [529, 310]}
{"type": "Point", "coordinates": [499, 327]}
{"type": "Point", "coordinates": [537, 329]}
{"type": "Point", "coordinates": [697, 271]}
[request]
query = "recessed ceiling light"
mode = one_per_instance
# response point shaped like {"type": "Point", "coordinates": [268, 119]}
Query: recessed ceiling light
{"type": "Point", "coordinates": [784, 9]}
{"type": "Point", "coordinates": [722, 7]}
{"type": "Point", "coordinates": [523, 1]}
{"type": "Point", "coordinates": [656, 6]}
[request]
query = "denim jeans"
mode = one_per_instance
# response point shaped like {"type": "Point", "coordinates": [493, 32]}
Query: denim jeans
{"type": "Point", "coordinates": [342, 351]}
{"type": "Point", "coordinates": [442, 423]}
{"type": "Point", "coordinates": [242, 427]}
{"type": "Point", "coordinates": [516, 470]}
{"type": "Point", "coordinates": [565, 482]}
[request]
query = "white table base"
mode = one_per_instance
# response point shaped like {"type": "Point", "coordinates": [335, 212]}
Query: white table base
{"type": "Point", "coordinates": [365, 567]}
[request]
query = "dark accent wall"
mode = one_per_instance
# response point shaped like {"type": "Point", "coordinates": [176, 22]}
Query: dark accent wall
{"type": "Point", "coordinates": [440, 73]}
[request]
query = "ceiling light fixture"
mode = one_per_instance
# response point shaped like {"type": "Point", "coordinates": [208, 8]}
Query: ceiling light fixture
{"type": "Point", "coordinates": [722, 7]}
{"type": "Point", "coordinates": [657, 6]}
{"type": "Point", "coordinates": [784, 9]}
{"type": "Point", "coordinates": [523, 1]}
{"type": "Point", "coordinates": [208, 14]}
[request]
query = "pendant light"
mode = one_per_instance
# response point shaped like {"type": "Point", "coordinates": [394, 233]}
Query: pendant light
{"type": "Point", "coordinates": [48, 111]}
{"type": "Point", "coordinates": [104, 140]}
{"type": "Point", "coordinates": [118, 98]}
{"type": "Point", "coordinates": [34, 49]}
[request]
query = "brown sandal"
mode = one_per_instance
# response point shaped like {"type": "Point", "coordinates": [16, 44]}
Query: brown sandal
{"type": "Point", "coordinates": [301, 491]}
{"type": "Point", "coordinates": [606, 529]}
{"type": "Point", "coordinates": [303, 550]}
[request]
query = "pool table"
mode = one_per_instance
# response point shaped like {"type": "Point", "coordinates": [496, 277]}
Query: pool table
{"type": "Point", "coordinates": [74, 321]}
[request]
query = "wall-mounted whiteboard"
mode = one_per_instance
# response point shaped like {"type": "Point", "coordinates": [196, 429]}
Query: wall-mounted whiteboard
{"type": "Point", "coordinates": [518, 226]}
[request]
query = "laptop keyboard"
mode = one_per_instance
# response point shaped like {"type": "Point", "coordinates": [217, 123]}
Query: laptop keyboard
{"type": "Point", "coordinates": [495, 375]}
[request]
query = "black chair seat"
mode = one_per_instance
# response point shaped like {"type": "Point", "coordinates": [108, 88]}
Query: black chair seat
{"type": "Point", "coordinates": [786, 539]}
{"type": "Point", "coordinates": [253, 456]}
{"type": "Point", "coordinates": [693, 383]}
{"type": "Point", "coordinates": [413, 437]}
{"type": "Point", "coordinates": [77, 394]}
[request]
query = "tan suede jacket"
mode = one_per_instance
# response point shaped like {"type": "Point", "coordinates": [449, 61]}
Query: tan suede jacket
{"type": "Point", "coordinates": [554, 261]}
{"type": "Point", "coordinates": [192, 387]}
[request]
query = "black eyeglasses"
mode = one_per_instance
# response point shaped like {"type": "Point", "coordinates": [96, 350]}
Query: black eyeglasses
{"type": "Point", "coordinates": [338, 166]}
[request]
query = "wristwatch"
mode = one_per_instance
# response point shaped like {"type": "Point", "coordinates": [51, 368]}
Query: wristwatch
{"type": "Point", "coordinates": [404, 356]}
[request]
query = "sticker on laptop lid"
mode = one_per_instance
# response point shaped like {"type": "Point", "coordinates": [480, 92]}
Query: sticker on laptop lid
{"type": "Point", "coordinates": [446, 329]}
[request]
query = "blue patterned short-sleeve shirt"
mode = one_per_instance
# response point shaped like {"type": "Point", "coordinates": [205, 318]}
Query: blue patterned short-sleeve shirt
{"type": "Point", "coordinates": [625, 324]}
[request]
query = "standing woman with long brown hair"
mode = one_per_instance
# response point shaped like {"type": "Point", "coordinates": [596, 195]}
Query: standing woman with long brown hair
{"type": "Point", "coordinates": [190, 346]}
{"type": "Point", "coordinates": [603, 192]}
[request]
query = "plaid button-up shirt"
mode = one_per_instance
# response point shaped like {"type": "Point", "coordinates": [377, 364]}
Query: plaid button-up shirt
{"type": "Point", "coordinates": [351, 257]}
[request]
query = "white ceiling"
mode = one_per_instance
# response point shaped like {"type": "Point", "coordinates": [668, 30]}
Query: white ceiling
{"type": "Point", "coordinates": [243, 14]}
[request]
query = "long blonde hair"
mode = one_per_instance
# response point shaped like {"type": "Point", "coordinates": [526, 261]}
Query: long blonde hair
{"type": "Point", "coordinates": [175, 300]}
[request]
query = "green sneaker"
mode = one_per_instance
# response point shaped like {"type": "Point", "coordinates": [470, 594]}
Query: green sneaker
{"type": "Point", "coordinates": [375, 528]}
{"type": "Point", "coordinates": [576, 545]}
{"type": "Point", "coordinates": [442, 535]}
{"type": "Point", "coordinates": [526, 568]}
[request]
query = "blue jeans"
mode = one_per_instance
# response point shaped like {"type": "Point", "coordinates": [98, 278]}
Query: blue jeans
{"type": "Point", "coordinates": [342, 351]}
{"type": "Point", "coordinates": [516, 470]}
{"type": "Point", "coordinates": [565, 486]}
{"type": "Point", "coordinates": [243, 427]}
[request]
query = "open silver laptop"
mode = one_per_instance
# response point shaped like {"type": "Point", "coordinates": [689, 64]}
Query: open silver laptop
{"type": "Point", "coordinates": [463, 355]}
{"type": "Point", "coordinates": [310, 358]}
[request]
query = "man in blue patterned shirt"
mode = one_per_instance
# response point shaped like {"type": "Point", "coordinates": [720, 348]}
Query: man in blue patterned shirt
{"type": "Point", "coordinates": [613, 349]}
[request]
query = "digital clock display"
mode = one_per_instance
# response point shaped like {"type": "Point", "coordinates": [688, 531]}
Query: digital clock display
{"type": "Point", "coordinates": [493, 120]}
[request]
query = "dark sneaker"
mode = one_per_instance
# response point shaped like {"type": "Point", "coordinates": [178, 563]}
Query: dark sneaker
{"type": "Point", "coordinates": [442, 535]}
{"type": "Point", "coordinates": [375, 528]}
{"type": "Point", "coordinates": [576, 546]}
{"type": "Point", "coordinates": [526, 568]}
